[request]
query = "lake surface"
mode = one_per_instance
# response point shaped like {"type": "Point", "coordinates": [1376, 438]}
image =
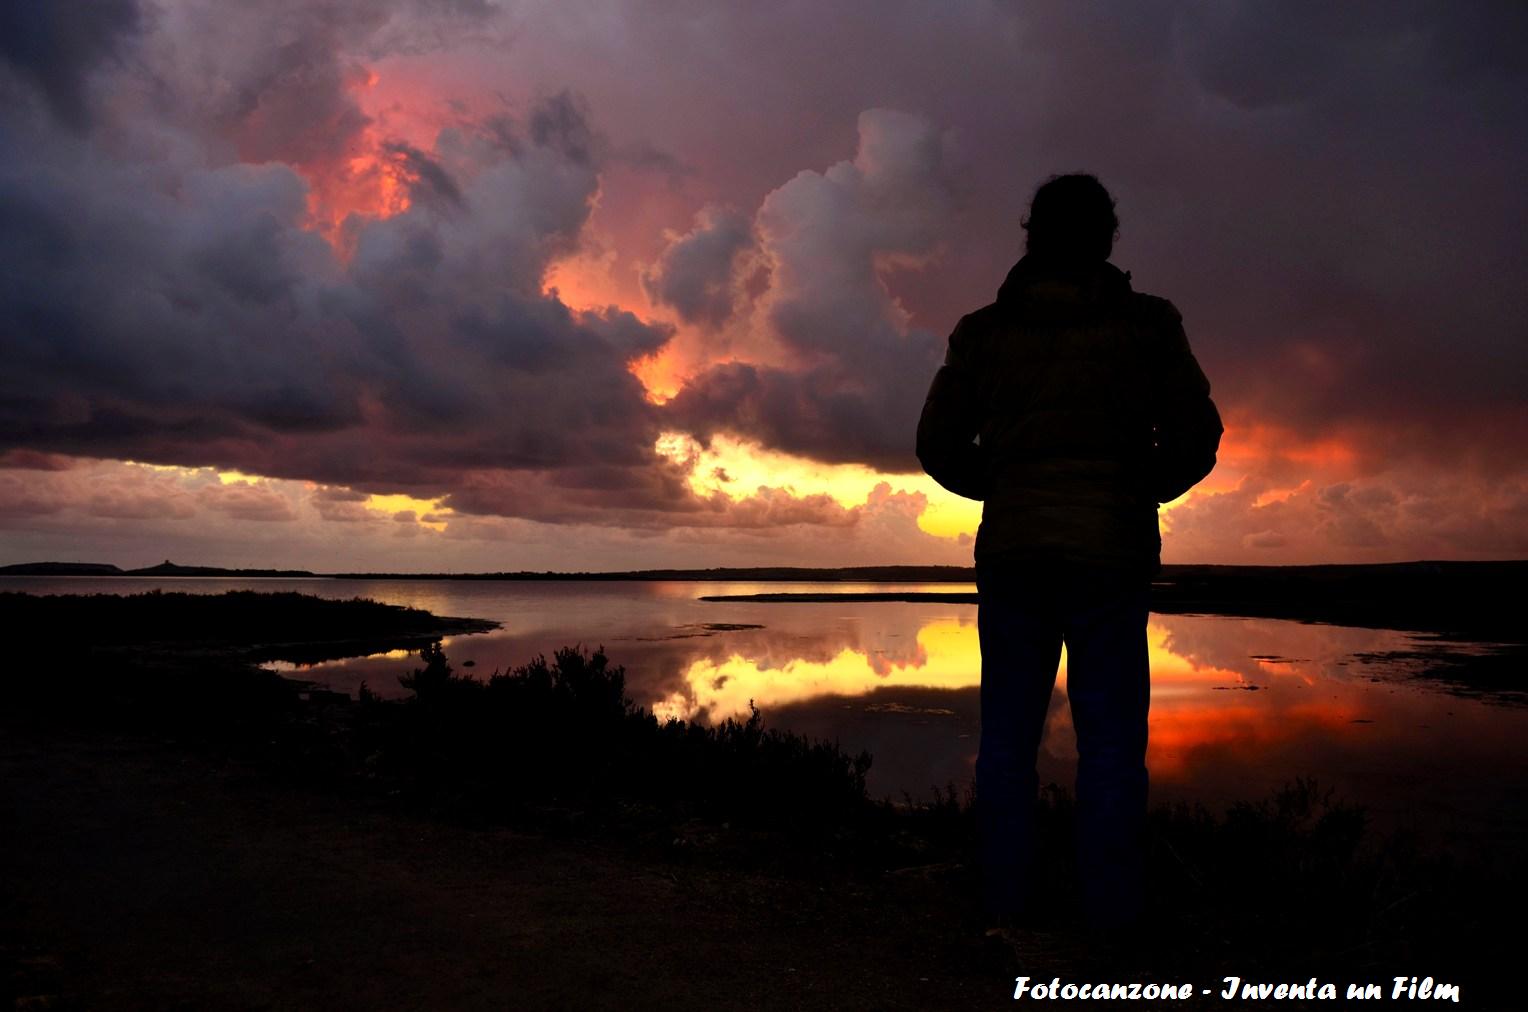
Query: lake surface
{"type": "Point", "coordinates": [1239, 706]}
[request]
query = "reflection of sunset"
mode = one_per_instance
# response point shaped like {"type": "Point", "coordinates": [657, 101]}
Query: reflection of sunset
{"type": "Point", "coordinates": [1178, 730]}
{"type": "Point", "coordinates": [1196, 706]}
{"type": "Point", "coordinates": [1240, 706]}
{"type": "Point", "coordinates": [946, 657]}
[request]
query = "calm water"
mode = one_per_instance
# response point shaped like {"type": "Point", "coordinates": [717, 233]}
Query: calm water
{"type": "Point", "coordinates": [1239, 706]}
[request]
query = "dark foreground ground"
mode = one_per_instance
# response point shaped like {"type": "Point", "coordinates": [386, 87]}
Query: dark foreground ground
{"type": "Point", "coordinates": [138, 875]}
{"type": "Point", "coordinates": [183, 831]}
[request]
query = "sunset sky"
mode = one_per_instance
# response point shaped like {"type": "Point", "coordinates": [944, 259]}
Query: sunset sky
{"type": "Point", "coordinates": [461, 285]}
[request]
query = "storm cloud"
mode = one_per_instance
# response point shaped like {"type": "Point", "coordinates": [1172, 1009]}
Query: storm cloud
{"type": "Point", "coordinates": [851, 388]}
{"type": "Point", "coordinates": [57, 48]}
{"type": "Point", "coordinates": [698, 273]}
{"type": "Point", "coordinates": [185, 310]}
{"type": "Point", "coordinates": [313, 240]}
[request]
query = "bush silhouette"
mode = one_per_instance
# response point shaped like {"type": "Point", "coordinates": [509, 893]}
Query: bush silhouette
{"type": "Point", "coordinates": [563, 731]}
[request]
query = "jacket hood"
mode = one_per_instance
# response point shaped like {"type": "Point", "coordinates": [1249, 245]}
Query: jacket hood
{"type": "Point", "coordinates": [1040, 284]}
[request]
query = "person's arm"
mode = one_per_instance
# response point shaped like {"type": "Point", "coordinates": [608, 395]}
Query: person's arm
{"type": "Point", "coordinates": [1187, 424]}
{"type": "Point", "coordinates": [950, 421]}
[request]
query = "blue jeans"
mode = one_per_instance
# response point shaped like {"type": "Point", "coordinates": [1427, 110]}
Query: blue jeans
{"type": "Point", "coordinates": [1023, 619]}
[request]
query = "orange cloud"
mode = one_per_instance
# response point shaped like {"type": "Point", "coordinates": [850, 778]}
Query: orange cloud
{"type": "Point", "coordinates": [373, 180]}
{"type": "Point", "coordinates": [369, 185]}
{"type": "Point", "coordinates": [660, 374]}
{"type": "Point", "coordinates": [1257, 446]}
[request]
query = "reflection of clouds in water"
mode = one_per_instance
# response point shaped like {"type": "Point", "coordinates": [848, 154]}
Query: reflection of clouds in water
{"type": "Point", "coordinates": [1414, 756]}
{"type": "Point", "coordinates": [663, 670]}
{"type": "Point", "coordinates": [1190, 657]}
{"type": "Point", "coordinates": [1239, 706]}
{"type": "Point", "coordinates": [921, 738]}
{"type": "Point", "coordinates": [664, 661]}
{"type": "Point", "coordinates": [944, 654]}
{"type": "Point", "coordinates": [1260, 649]}
{"type": "Point", "coordinates": [1204, 718]}
{"type": "Point", "coordinates": [300, 669]}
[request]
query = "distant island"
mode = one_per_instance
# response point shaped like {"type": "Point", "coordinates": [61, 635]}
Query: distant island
{"type": "Point", "coordinates": [773, 574]}
{"type": "Point", "coordinates": [165, 568]}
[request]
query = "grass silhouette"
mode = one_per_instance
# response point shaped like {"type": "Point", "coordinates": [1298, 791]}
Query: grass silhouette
{"type": "Point", "coordinates": [563, 731]}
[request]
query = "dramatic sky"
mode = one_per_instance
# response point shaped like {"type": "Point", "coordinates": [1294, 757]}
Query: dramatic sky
{"type": "Point", "coordinates": [455, 284]}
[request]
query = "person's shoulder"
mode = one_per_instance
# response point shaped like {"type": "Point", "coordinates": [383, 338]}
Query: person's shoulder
{"type": "Point", "coordinates": [1155, 309]}
{"type": "Point", "coordinates": [984, 318]}
{"type": "Point", "coordinates": [973, 329]}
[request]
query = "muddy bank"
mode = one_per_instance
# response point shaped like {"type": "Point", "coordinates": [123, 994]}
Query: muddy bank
{"type": "Point", "coordinates": [236, 625]}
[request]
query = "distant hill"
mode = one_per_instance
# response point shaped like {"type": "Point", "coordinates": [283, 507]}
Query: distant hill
{"type": "Point", "coordinates": [168, 568]}
{"type": "Point", "coordinates": [165, 568]}
{"type": "Point", "coordinates": [60, 569]}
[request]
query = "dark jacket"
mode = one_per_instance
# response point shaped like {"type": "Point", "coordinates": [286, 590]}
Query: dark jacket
{"type": "Point", "coordinates": [1071, 406]}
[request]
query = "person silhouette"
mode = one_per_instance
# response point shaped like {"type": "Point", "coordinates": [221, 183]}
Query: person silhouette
{"type": "Point", "coordinates": [1071, 407]}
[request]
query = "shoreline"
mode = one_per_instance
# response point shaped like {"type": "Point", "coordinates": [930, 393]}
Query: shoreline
{"type": "Point", "coordinates": [1465, 600]}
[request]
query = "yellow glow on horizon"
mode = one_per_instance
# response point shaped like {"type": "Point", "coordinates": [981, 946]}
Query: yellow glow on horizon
{"type": "Point", "coordinates": [177, 468]}
{"type": "Point", "coordinates": [738, 468]}
{"type": "Point", "coordinates": [224, 477]}
{"type": "Point", "coordinates": [397, 502]}
{"type": "Point", "coordinates": [232, 477]}
{"type": "Point", "coordinates": [949, 515]}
